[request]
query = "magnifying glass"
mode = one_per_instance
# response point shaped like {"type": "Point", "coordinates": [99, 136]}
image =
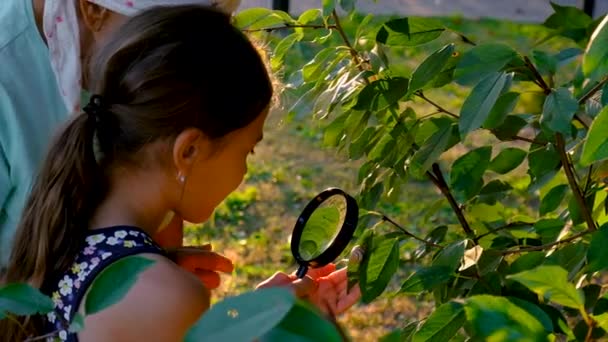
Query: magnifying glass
{"type": "Point", "coordinates": [324, 229]}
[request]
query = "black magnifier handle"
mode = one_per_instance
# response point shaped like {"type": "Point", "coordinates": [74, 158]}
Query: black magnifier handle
{"type": "Point", "coordinates": [302, 270]}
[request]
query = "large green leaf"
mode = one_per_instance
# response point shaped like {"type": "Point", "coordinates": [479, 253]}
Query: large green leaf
{"type": "Point", "coordinates": [549, 229]}
{"type": "Point", "coordinates": [467, 171]}
{"type": "Point", "coordinates": [320, 229]}
{"type": "Point", "coordinates": [498, 319]}
{"type": "Point", "coordinates": [281, 49]}
{"type": "Point", "coordinates": [409, 31]}
{"type": "Point", "coordinates": [482, 60]}
{"type": "Point", "coordinates": [378, 269]}
{"type": "Point", "coordinates": [595, 59]}
{"type": "Point", "coordinates": [567, 17]}
{"type": "Point", "coordinates": [596, 144]}
{"type": "Point", "coordinates": [552, 283]}
{"type": "Point", "coordinates": [597, 254]}
{"type": "Point", "coordinates": [113, 283]}
{"type": "Point", "coordinates": [426, 279]}
{"type": "Point", "coordinates": [442, 324]}
{"type": "Point", "coordinates": [244, 317]}
{"type": "Point", "coordinates": [258, 18]}
{"type": "Point", "coordinates": [296, 326]}
{"type": "Point", "coordinates": [507, 160]}
{"type": "Point", "coordinates": [558, 111]}
{"type": "Point", "coordinates": [433, 147]}
{"type": "Point", "coordinates": [348, 5]}
{"type": "Point", "coordinates": [328, 6]}
{"type": "Point", "coordinates": [570, 257]}
{"type": "Point", "coordinates": [479, 103]}
{"type": "Point", "coordinates": [542, 162]}
{"type": "Point", "coordinates": [430, 67]}
{"type": "Point", "coordinates": [553, 199]}
{"type": "Point", "coordinates": [23, 300]}
{"type": "Point", "coordinates": [509, 128]}
{"type": "Point", "coordinates": [503, 107]}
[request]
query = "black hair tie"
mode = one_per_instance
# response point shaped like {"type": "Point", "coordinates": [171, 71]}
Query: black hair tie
{"type": "Point", "coordinates": [95, 107]}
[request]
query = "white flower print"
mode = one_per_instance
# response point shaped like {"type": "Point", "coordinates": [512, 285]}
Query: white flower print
{"type": "Point", "coordinates": [95, 239]}
{"type": "Point", "coordinates": [121, 234]}
{"type": "Point", "coordinates": [94, 262]}
{"type": "Point", "coordinates": [129, 243]}
{"type": "Point", "coordinates": [51, 316]}
{"type": "Point", "coordinates": [65, 286]}
{"type": "Point", "coordinates": [66, 314]}
{"type": "Point", "coordinates": [105, 255]}
{"type": "Point", "coordinates": [133, 232]}
{"type": "Point", "coordinates": [112, 241]}
{"type": "Point", "coordinates": [56, 298]}
{"type": "Point", "coordinates": [63, 335]}
{"type": "Point", "coordinates": [90, 250]}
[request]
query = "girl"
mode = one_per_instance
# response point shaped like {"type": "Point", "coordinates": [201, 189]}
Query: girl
{"type": "Point", "coordinates": [180, 101]}
{"type": "Point", "coordinates": [44, 45]}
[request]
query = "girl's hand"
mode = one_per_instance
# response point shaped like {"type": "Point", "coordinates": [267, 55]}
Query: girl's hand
{"type": "Point", "coordinates": [325, 287]}
{"type": "Point", "coordinates": [200, 260]}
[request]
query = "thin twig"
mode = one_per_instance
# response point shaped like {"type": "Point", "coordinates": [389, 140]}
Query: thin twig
{"type": "Point", "coordinates": [531, 141]}
{"type": "Point", "coordinates": [547, 246]}
{"type": "Point", "coordinates": [430, 114]}
{"type": "Point", "coordinates": [353, 53]}
{"type": "Point", "coordinates": [289, 26]}
{"type": "Point", "coordinates": [593, 90]}
{"type": "Point", "coordinates": [439, 108]}
{"type": "Point", "coordinates": [588, 181]}
{"type": "Point", "coordinates": [462, 37]}
{"type": "Point", "coordinates": [404, 231]}
{"type": "Point", "coordinates": [506, 226]}
{"type": "Point", "coordinates": [437, 178]}
{"type": "Point", "coordinates": [42, 337]}
{"type": "Point", "coordinates": [537, 75]}
{"type": "Point", "coordinates": [576, 190]}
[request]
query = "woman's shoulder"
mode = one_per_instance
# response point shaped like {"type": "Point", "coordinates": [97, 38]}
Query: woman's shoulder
{"type": "Point", "coordinates": [163, 303]}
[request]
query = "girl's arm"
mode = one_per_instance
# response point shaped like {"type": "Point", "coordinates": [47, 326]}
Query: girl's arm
{"type": "Point", "coordinates": [162, 305]}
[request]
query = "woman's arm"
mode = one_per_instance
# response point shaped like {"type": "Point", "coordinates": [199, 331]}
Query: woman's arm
{"type": "Point", "coordinates": [162, 305]}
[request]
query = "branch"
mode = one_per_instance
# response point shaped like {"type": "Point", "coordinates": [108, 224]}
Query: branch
{"type": "Point", "coordinates": [593, 90]}
{"type": "Point", "coordinates": [437, 178]}
{"type": "Point", "coordinates": [537, 75]}
{"type": "Point", "coordinates": [462, 37]}
{"type": "Point", "coordinates": [578, 195]}
{"type": "Point", "coordinates": [439, 108]}
{"type": "Point", "coordinates": [404, 231]}
{"type": "Point", "coordinates": [531, 141]}
{"type": "Point", "coordinates": [588, 181]}
{"type": "Point", "coordinates": [506, 226]}
{"type": "Point", "coordinates": [289, 26]}
{"type": "Point", "coordinates": [547, 246]}
{"type": "Point", "coordinates": [353, 53]}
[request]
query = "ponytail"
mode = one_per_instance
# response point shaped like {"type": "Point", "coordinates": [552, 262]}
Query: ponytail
{"type": "Point", "coordinates": [69, 187]}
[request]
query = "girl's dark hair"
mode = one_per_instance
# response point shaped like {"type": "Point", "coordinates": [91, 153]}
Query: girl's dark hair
{"type": "Point", "coordinates": [164, 70]}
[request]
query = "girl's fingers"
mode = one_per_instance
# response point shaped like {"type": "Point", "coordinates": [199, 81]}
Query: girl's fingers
{"type": "Point", "coordinates": [210, 279]}
{"type": "Point", "coordinates": [326, 270]}
{"type": "Point", "coordinates": [277, 279]}
{"type": "Point", "coordinates": [350, 299]}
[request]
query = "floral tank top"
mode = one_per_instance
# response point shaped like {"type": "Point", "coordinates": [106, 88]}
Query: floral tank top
{"type": "Point", "coordinates": [100, 248]}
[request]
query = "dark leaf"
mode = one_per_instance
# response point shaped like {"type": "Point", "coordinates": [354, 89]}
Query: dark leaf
{"type": "Point", "coordinates": [558, 111]}
{"type": "Point", "coordinates": [595, 59]}
{"type": "Point", "coordinates": [378, 269]}
{"type": "Point", "coordinates": [507, 160]}
{"type": "Point", "coordinates": [442, 324]}
{"type": "Point", "coordinates": [23, 300]}
{"type": "Point", "coordinates": [467, 171]}
{"type": "Point", "coordinates": [504, 106]}
{"type": "Point", "coordinates": [409, 31]}
{"type": "Point", "coordinates": [597, 255]}
{"type": "Point", "coordinates": [482, 60]}
{"type": "Point", "coordinates": [553, 199]}
{"type": "Point", "coordinates": [426, 279]}
{"type": "Point", "coordinates": [430, 67]}
{"type": "Point", "coordinates": [451, 255]}
{"type": "Point", "coordinates": [596, 144]}
{"type": "Point", "coordinates": [479, 103]}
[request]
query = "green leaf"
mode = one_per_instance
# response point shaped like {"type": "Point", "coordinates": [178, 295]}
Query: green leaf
{"type": "Point", "coordinates": [597, 254]}
{"type": "Point", "coordinates": [23, 300]}
{"type": "Point", "coordinates": [498, 319]}
{"type": "Point", "coordinates": [509, 128]}
{"type": "Point", "coordinates": [378, 269]}
{"type": "Point", "coordinates": [558, 111]}
{"type": "Point", "coordinates": [526, 262]}
{"type": "Point", "coordinates": [482, 60]}
{"type": "Point", "coordinates": [602, 320]}
{"type": "Point", "coordinates": [381, 94]}
{"type": "Point", "coordinates": [296, 326]}
{"type": "Point", "coordinates": [284, 45]}
{"type": "Point", "coordinates": [362, 144]}
{"type": "Point", "coordinates": [309, 16]}
{"type": "Point", "coordinates": [114, 282]}
{"type": "Point", "coordinates": [596, 143]}
{"type": "Point", "coordinates": [442, 324]}
{"type": "Point", "coordinates": [77, 323]}
{"type": "Point", "coordinates": [553, 199]}
{"type": "Point", "coordinates": [543, 161]}
{"type": "Point", "coordinates": [426, 279]}
{"type": "Point", "coordinates": [328, 7]}
{"type": "Point", "coordinates": [507, 160]}
{"type": "Point", "coordinates": [504, 105]}
{"type": "Point", "coordinates": [334, 132]}
{"type": "Point", "coordinates": [347, 5]}
{"type": "Point", "coordinates": [595, 59]}
{"type": "Point", "coordinates": [549, 229]}
{"type": "Point", "coordinates": [552, 283]}
{"type": "Point", "coordinates": [409, 31]}
{"type": "Point", "coordinates": [571, 257]}
{"type": "Point", "coordinates": [535, 311]}
{"type": "Point", "coordinates": [493, 191]}
{"type": "Point", "coordinates": [545, 62]}
{"type": "Point", "coordinates": [430, 67]}
{"type": "Point", "coordinates": [451, 255]}
{"type": "Point", "coordinates": [479, 103]}
{"type": "Point", "coordinates": [243, 318]}
{"type": "Point", "coordinates": [567, 17]}
{"type": "Point", "coordinates": [320, 230]}
{"type": "Point", "coordinates": [467, 171]}
{"type": "Point", "coordinates": [433, 147]}
{"type": "Point", "coordinates": [386, 144]}
{"type": "Point", "coordinates": [259, 18]}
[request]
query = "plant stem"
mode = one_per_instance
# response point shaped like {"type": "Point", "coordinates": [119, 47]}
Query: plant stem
{"type": "Point", "coordinates": [588, 181]}
{"type": "Point", "coordinates": [593, 90]}
{"type": "Point", "coordinates": [576, 190]}
{"type": "Point", "coordinates": [42, 337]}
{"type": "Point", "coordinates": [404, 231]}
{"type": "Point", "coordinates": [439, 108]}
{"type": "Point", "coordinates": [353, 53]}
{"type": "Point", "coordinates": [462, 37]}
{"type": "Point", "coordinates": [288, 26]}
{"type": "Point", "coordinates": [537, 75]}
{"type": "Point", "coordinates": [506, 226]}
{"type": "Point", "coordinates": [531, 141]}
{"type": "Point", "coordinates": [547, 246]}
{"type": "Point", "coordinates": [437, 178]}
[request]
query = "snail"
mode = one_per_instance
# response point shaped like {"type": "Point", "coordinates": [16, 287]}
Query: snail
{"type": "Point", "coordinates": [356, 255]}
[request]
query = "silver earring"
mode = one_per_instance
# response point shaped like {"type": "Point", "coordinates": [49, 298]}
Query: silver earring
{"type": "Point", "coordinates": [181, 178]}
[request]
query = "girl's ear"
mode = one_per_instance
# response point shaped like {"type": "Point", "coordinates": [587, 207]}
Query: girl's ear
{"type": "Point", "coordinates": [93, 16]}
{"type": "Point", "coordinates": [189, 145]}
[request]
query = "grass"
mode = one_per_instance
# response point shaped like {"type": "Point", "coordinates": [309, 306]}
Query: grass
{"type": "Point", "coordinates": [253, 225]}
